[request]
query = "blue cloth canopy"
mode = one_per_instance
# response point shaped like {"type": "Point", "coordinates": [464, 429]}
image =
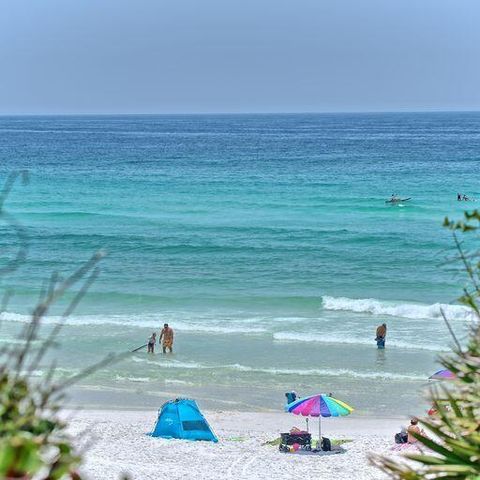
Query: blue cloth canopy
{"type": "Point", "coordinates": [181, 418]}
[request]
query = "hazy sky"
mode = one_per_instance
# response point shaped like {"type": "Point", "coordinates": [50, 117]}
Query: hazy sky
{"type": "Point", "coordinates": [160, 56]}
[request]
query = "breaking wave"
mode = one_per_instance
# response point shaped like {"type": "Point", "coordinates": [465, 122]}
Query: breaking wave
{"type": "Point", "coordinates": [404, 310]}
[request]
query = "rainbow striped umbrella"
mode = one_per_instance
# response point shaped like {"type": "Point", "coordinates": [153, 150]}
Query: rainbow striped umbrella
{"type": "Point", "coordinates": [443, 375]}
{"type": "Point", "coordinates": [319, 406]}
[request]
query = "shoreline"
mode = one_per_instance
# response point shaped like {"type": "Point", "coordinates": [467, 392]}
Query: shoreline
{"type": "Point", "coordinates": [227, 399]}
{"type": "Point", "coordinates": [360, 416]}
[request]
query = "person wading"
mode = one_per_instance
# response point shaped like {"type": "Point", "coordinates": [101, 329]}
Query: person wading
{"type": "Point", "coordinates": [167, 336]}
{"type": "Point", "coordinates": [151, 343]}
{"type": "Point", "coordinates": [381, 335]}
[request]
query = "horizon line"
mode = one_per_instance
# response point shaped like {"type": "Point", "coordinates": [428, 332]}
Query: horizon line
{"type": "Point", "coordinates": [326, 112]}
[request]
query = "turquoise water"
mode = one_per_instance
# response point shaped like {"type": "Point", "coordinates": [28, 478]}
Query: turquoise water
{"type": "Point", "coordinates": [264, 240]}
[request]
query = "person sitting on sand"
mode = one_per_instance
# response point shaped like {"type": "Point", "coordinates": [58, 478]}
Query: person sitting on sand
{"type": "Point", "coordinates": [151, 343]}
{"type": "Point", "coordinates": [167, 336]}
{"type": "Point", "coordinates": [413, 428]}
{"type": "Point", "coordinates": [381, 335]}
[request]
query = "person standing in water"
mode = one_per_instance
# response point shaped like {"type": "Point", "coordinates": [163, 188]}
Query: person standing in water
{"type": "Point", "coordinates": [151, 343]}
{"type": "Point", "coordinates": [167, 336]}
{"type": "Point", "coordinates": [381, 335]}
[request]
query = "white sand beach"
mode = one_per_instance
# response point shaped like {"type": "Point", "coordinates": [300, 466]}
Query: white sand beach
{"type": "Point", "coordinates": [116, 443]}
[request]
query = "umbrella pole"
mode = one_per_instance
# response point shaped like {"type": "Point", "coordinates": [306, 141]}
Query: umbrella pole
{"type": "Point", "coordinates": [319, 432]}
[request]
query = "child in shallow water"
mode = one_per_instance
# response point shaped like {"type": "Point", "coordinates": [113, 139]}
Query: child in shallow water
{"type": "Point", "coordinates": [151, 343]}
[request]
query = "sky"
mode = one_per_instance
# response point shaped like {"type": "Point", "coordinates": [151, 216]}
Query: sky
{"type": "Point", "coordinates": [200, 56]}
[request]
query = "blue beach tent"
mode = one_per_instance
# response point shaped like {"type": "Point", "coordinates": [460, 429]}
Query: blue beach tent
{"type": "Point", "coordinates": [181, 418]}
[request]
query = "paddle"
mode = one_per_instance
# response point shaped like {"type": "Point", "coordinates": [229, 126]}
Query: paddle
{"type": "Point", "coordinates": [139, 348]}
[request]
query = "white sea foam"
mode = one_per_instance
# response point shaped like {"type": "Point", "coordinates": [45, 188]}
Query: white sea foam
{"type": "Point", "coordinates": [19, 341]}
{"type": "Point", "coordinates": [218, 329]}
{"type": "Point", "coordinates": [352, 340]}
{"type": "Point", "coordinates": [57, 371]}
{"type": "Point", "coordinates": [327, 372]}
{"type": "Point", "coordinates": [132, 379]}
{"type": "Point", "coordinates": [174, 381]}
{"type": "Point", "coordinates": [404, 310]}
{"type": "Point", "coordinates": [135, 321]}
{"type": "Point", "coordinates": [171, 363]}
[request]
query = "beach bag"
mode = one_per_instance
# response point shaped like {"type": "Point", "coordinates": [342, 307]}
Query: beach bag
{"type": "Point", "coordinates": [326, 444]}
{"type": "Point", "coordinates": [401, 437]}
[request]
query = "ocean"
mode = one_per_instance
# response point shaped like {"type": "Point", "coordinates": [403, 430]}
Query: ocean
{"type": "Point", "coordinates": [263, 240]}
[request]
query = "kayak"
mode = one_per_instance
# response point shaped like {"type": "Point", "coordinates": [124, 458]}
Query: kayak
{"type": "Point", "coordinates": [398, 200]}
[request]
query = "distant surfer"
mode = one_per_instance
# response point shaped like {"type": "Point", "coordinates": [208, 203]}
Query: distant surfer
{"type": "Point", "coordinates": [167, 336]}
{"type": "Point", "coordinates": [459, 197]}
{"type": "Point", "coordinates": [151, 343]}
{"type": "Point", "coordinates": [381, 335]}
